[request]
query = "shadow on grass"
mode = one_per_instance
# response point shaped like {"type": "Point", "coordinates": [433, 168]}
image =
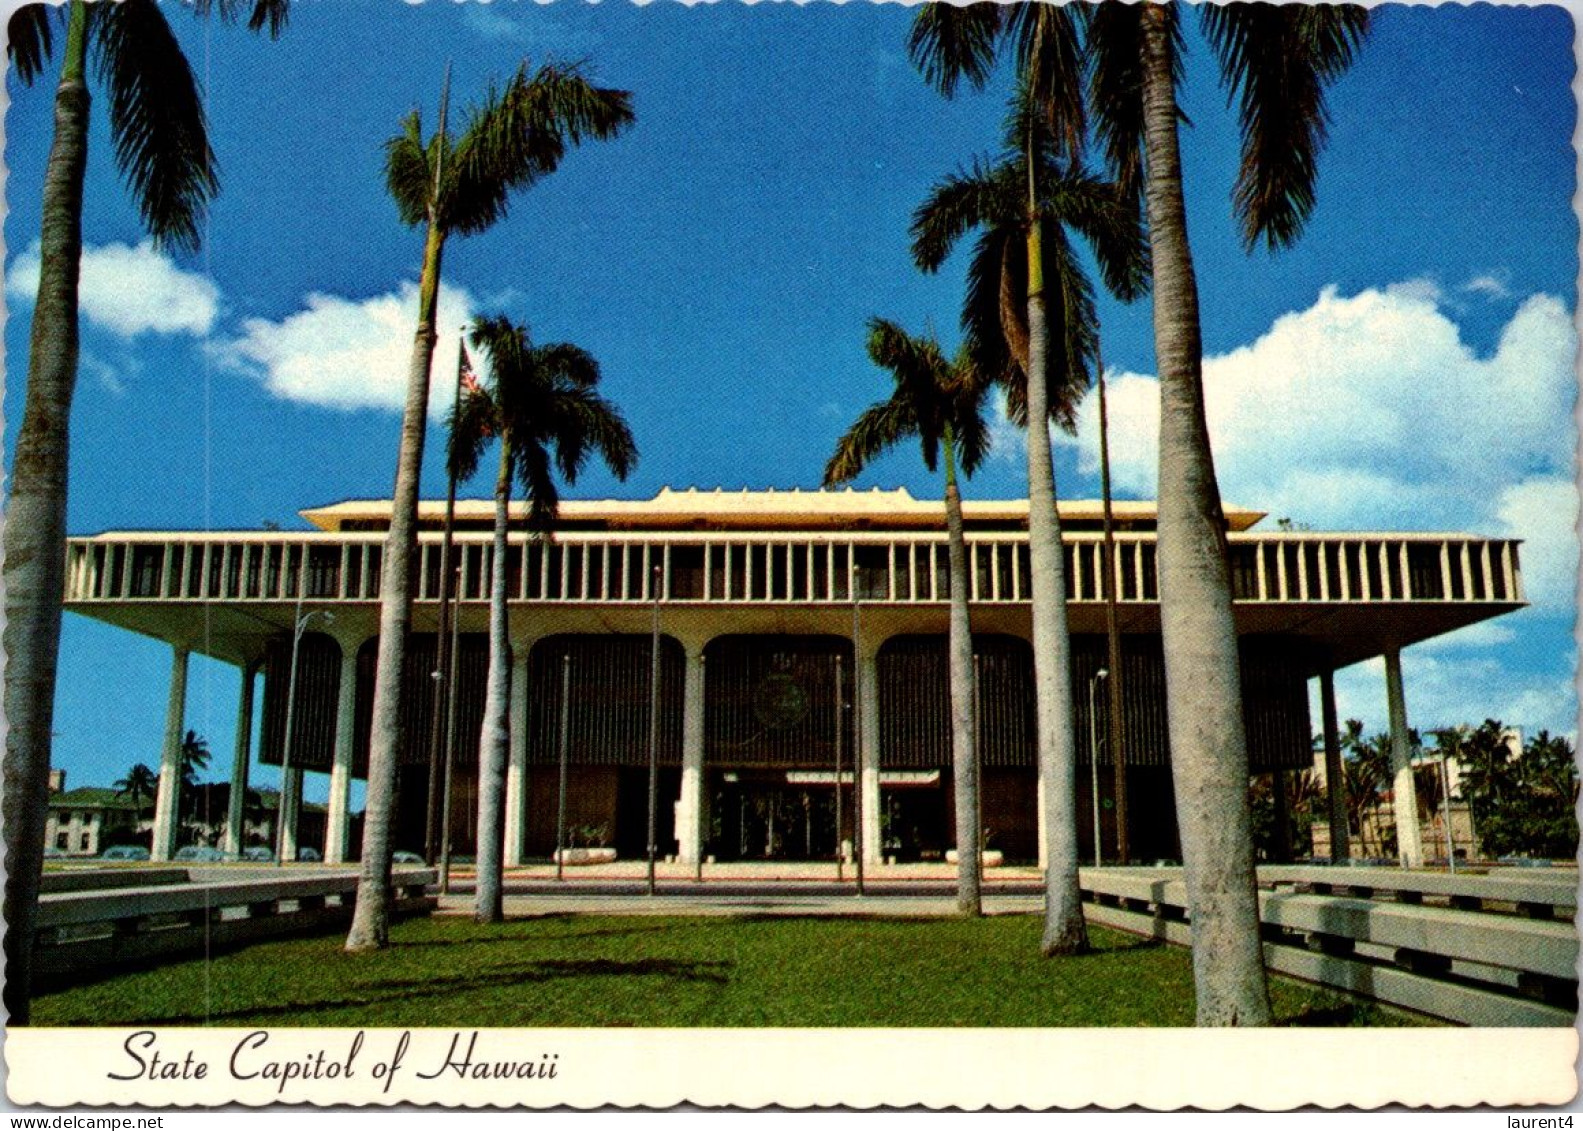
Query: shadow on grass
{"type": "Point", "coordinates": [523, 939]}
{"type": "Point", "coordinates": [709, 973]}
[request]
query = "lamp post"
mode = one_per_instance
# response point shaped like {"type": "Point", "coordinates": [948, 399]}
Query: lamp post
{"type": "Point", "coordinates": [1093, 754]}
{"type": "Point", "coordinates": [654, 727]}
{"type": "Point", "coordinates": [291, 708]}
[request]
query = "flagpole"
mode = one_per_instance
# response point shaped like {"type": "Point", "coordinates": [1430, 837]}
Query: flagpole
{"type": "Point", "coordinates": [1116, 728]}
{"type": "Point", "coordinates": [437, 722]}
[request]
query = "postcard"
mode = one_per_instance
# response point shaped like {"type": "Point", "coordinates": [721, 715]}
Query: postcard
{"type": "Point", "coordinates": [602, 555]}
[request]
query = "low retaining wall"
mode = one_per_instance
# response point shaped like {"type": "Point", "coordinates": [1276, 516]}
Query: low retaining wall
{"type": "Point", "coordinates": [1485, 966]}
{"type": "Point", "coordinates": [82, 933]}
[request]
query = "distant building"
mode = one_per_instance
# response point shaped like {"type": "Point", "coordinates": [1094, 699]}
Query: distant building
{"type": "Point", "coordinates": [87, 820]}
{"type": "Point", "coordinates": [802, 653]}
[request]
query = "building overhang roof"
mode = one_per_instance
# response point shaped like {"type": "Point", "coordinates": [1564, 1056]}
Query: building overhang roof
{"type": "Point", "coordinates": [772, 509]}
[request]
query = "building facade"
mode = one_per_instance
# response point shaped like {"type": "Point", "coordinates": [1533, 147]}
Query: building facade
{"type": "Point", "coordinates": [799, 675]}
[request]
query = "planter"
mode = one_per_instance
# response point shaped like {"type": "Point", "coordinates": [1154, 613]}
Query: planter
{"type": "Point", "coordinates": [577, 857]}
{"type": "Point", "coordinates": [989, 858]}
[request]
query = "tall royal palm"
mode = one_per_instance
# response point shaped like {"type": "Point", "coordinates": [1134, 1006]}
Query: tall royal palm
{"type": "Point", "coordinates": [542, 409]}
{"type": "Point", "coordinates": [951, 44]}
{"type": "Point", "coordinates": [451, 184]}
{"type": "Point", "coordinates": [1276, 61]}
{"type": "Point", "coordinates": [161, 143]}
{"type": "Point", "coordinates": [940, 403]}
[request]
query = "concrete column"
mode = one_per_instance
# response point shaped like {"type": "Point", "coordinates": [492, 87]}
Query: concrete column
{"type": "Point", "coordinates": [337, 833]}
{"type": "Point", "coordinates": [692, 806]}
{"type": "Point", "coordinates": [1335, 781]}
{"type": "Point", "coordinates": [166, 816]}
{"type": "Point", "coordinates": [868, 784]}
{"type": "Point", "coordinates": [1409, 843]}
{"type": "Point", "coordinates": [1283, 818]}
{"type": "Point", "coordinates": [290, 810]}
{"type": "Point", "coordinates": [239, 765]}
{"type": "Point", "coordinates": [517, 763]}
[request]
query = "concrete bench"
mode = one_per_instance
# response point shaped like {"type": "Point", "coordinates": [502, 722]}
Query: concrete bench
{"type": "Point", "coordinates": [87, 932]}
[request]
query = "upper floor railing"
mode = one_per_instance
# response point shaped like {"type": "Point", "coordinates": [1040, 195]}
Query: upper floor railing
{"type": "Point", "coordinates": [795, 567]}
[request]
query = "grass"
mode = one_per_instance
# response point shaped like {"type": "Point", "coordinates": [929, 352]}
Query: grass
{"type": "Point", "coordinates": [586, 970]}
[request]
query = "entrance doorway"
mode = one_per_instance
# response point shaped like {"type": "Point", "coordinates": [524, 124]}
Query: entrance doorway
{"type": "Point", "coordinates": [775, 816]}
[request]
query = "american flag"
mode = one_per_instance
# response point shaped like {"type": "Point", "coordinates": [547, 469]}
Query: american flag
{"type": "Point", "coordinates": [465, 377]}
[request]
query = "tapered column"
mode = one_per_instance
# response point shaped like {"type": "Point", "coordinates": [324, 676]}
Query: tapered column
{"type": "Point", "coordinates": [690, 807]}
{"type": "Point", "coordinates": [517, 763]}
{"type": "Point", "coordinates": [290, 811]}
{"type": "Point", "coordinates": [235, 814]}
{"type": "Point", "coordinates": [166, 802]}
{"type": "Point", "coordinates": [337, 835]}
{"type": "Point", "coordinates": [1335, 781]}
{"type": "Point", "coordinates": [868, 758]}
{"type": "Point", "coordinates": [1409, 844]}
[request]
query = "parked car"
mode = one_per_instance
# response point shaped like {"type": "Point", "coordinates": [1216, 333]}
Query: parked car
{"type": "Point", "coordinates": [198, 853]}
{"type": "Point", "coordinates": [124, 852]}
{"type": "Point", "coordinates": [309, 855]}
{"type": "Point", "coordinates": [406, 858]}
{"type": "Point", "coordinates": [258, 854]}
{"type": "Point", "coordinates": [53, 853]}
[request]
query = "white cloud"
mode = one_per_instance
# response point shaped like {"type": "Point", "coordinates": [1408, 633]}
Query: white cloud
{"type": "Point", "coordinates": [350, 354]}
{"type": "Point", "coordinates": [1447, 689]}
{"type": "Point", "coordinates": [1369, 411]}
{"type": "Point", "coordinates": [128, 290]}
{"type": "Point", "coordinates": [1491, 286]}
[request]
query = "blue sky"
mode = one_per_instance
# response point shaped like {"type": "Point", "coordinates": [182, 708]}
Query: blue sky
{"type": "Point", "coordinates": [1409, 364]}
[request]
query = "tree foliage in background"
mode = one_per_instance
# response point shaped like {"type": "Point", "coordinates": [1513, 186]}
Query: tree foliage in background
{"type": "Point", "coordinates": [1522, 805]}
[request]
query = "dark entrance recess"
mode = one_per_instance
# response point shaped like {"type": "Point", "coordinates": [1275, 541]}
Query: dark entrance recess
{"type": "Point", "coordinates": [632, 812]}
{"type": "Point", "coordinates": [765, 816]}
{"type": "Point", "coordinates": [915, 823]}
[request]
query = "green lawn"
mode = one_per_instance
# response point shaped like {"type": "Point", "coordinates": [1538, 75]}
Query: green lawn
{"type": "Point", "coordinates": [585, 970]}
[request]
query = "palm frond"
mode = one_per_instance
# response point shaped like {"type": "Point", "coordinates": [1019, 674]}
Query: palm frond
{"type": "Point", "coordinates": [949, 43]}
{"type": "Point", "coordinates": [877, 429]}
{"type": "Point", "coordinates": [1069, 298]}
{"type": "Point", "coordinates": [271, 14]}
{"type": "Point", "coordinates": [408, 177]}
{"type": "Point", "coordinates": [532, 464]}
{"type": "Point", "coordinates": [474, 421]}
{"type": "Point", "coordinates": [976, 197]}
{"type": "Point", "coordinates": [967, 392]}
{"type": "Point", "coordinates": [1050, 62]}
{"type": "Point", "coordinates": [1275, 61]}
{"type": "Point", "coordinates": [583, 423]}
{"type": "Point", "coordinates": [564, 362]}
{"type": "Point", "coordinates": [520, 134]}
{"type": "Point", "coordinates": [1113, 50]}
{"type": "Point", "coordinates": [157, 123]}
{"type": "Point", "coordinates": [994, 307]}
{"type": "Point", "coordinates": [1109, 221]}
{"type": "Point", "coordinates": [30, 39]}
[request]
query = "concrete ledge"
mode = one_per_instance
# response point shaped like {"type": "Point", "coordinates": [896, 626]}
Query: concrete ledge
{"type": "Point", "coordinates": [81, 935]}
{"type": "Point", "coordinates": [103, 879]}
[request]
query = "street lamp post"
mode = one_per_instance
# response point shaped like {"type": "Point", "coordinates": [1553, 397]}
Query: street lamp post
{"type": "Point", "coordinates": [654, 728]}
{"type": "Point", "coordinates": [287, 794]}
{"type": "Point", "coordinates": [1093, 754]}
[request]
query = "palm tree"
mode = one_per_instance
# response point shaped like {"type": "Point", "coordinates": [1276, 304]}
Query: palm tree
{"type": "Point", "coordinates": [194, 760]}
{"type": "Point", "coordinates": [140, 784]}
{"type": "Point", "coordinates": [542, 408]}
{"type": "Point", "coordinates": [1275, 60]}
{"type": "Point", "coordinates": [941, 404]}
{"type": "Point", "coordinates": [1032, 192]}
{"type": "Point", "coordinates": [458, 185]}
{"type": "Point", "coordinates": [162, 149]}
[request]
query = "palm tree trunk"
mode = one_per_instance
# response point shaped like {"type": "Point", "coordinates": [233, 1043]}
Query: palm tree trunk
{"type": "Point", "coordinates": [1209, 760]}
{"type": "Point", "coordinates": [35, 527]}
{"type": "Point", "coordinates": [964, 727]}
{"type": "Point", "coordinates": [496, 734]}
{"type": "Point", "coordinates": [1064, 930]}
{"type": "Point", "coordinates": [371, 918]}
